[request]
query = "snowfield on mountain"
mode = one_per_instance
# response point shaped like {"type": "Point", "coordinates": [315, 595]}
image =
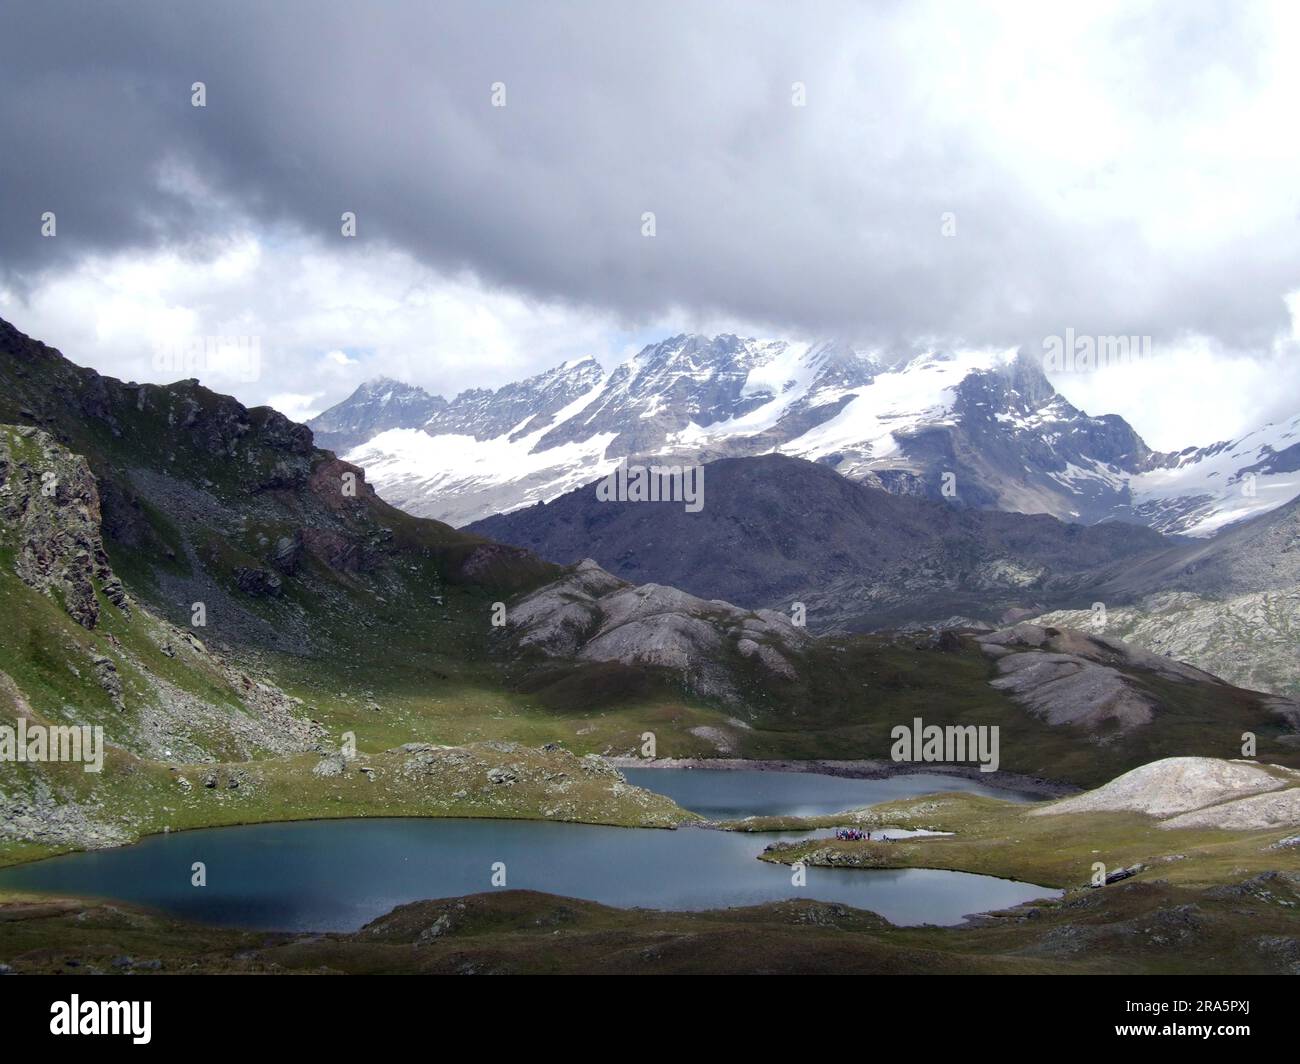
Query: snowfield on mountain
{"type": "Point", "coordinates": [898, 420]}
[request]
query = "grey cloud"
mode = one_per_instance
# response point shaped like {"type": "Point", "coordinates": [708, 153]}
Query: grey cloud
{"type": "Point", "coordinates": [820, 220]}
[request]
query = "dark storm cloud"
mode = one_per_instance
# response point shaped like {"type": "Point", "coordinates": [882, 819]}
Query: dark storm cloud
{"type": "Point", "coordinates": [822, 219]}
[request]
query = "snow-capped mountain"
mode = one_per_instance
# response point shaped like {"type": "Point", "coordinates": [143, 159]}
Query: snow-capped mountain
{"type": "Point", "coordinates": [1200, 490]}
{"type": "Point", "coordinates": [377, 405]}
{"type": "Point", "coordinates": [990, 418]}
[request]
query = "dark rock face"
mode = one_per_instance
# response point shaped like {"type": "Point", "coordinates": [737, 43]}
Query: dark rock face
{"type": "Point", "coordinates": [1013, 442]}
{"type": "Point", "coordinates": [219, 503]}
{"type": "Point", "coordinates": [49, 512]}
{"type": "Point", "coordinates": [257, 582]}
{"type": "Point", "coordinates": [777, 530]}
{"type": "Point", "coordinates": [287, 553]}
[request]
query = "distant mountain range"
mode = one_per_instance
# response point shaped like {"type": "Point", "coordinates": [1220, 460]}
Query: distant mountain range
{"type": "Point", "coordinates": [991, 419]}
{"type": "Point", "coordinates": [776, 530]}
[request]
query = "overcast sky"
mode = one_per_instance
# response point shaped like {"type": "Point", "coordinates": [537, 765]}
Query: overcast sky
{"type": "Point", "coordinates": [956, 176]}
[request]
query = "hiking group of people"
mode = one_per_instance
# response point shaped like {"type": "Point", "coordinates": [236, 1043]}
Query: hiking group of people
{"type": "Point", "coordinates": [856, 835]}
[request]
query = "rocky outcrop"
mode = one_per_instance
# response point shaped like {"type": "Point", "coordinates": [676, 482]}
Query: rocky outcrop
{"type": "Point", "coordinates": [107, 678]}
{"type": "Point", "coordinates": [1174, 785]}
{"type": "Point", "coordinates": [50, 516]}
{"type": "Point", "coordinates": [1249, 640]}
{"type": "Point", "coordinates": [590, 615]}
{"type": "Point", "coordinates": [1070, 677]}
{"type": "Point", "coordinates": [1196, 792]}
{"type": "Point", "coordinates": [258, 582]}
{"type": "Point", "coordinates": [1258, 812]}
{"type": "Point", "coordinates": [287, 553]}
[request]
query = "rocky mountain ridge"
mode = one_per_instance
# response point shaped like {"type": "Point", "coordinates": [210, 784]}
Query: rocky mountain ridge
{"type": "Point", "coordinates": [991, 420]}
{"type": "Point", "coordinates": [777, 530]}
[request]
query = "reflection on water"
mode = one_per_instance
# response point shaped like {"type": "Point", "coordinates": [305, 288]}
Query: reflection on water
{"type": "Point", "coordinates": [723, 794]}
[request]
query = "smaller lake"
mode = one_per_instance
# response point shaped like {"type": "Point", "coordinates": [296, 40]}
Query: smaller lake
{"type": "Point", "coordinates": [729, 794]}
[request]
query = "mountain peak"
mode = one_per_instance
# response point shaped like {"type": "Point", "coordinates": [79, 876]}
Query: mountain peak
{"type": "Point", "coordinates": [376, 405]}
{"type": "Point", "coordinates": [899, 418]}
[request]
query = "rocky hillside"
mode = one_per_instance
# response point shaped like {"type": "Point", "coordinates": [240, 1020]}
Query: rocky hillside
{"type": "Point", "coordinates": [76, 650]}
{"type": "Point", "coordinates": [1249, 640]}
{"type": "Point", "coordinates": [169, 695]}
{"type": "Point", "coordinates": [1230, 604]}
{"type": "Point", "coordinates": [1070, 677]}
{"type": "Point", "coordinates": [1259, 555]}
{"type": "Point", "coordinates": [896, 421]}
{"type": "Point", "coordinates": [204, 500]}
{"type": "Point", "coordinates": [1069, 704]}
{"type": "Point", "coordinates": [777, 530]}
{"type": "Point", "coordinates": [1197, 792]}
{"type": "Point", "coordinates": [201, 581]}
{"type": "Point", "coordinates": [591, 616]}
{"type": "Point", "coordinates": [50, 515]}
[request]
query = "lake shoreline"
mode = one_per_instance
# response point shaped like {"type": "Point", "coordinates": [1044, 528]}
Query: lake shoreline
{"type": "Point", "coordinates": [848, 769]}
{"type": "Point", "coordinates": [273, 876]}
{"type": "Point", "coordinates": [859, 769]}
